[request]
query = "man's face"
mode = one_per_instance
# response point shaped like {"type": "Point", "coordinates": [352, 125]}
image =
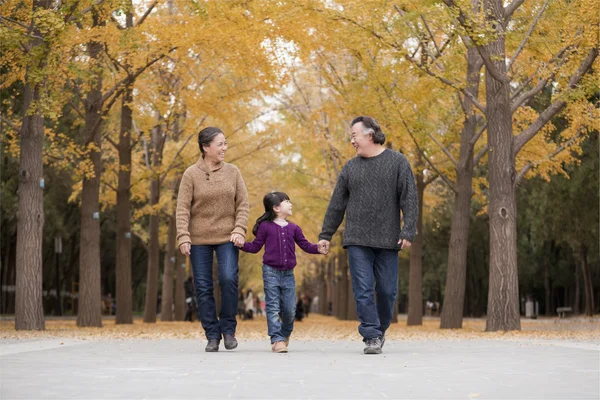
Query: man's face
{"type": "Point", "coordinates": [360, 141]}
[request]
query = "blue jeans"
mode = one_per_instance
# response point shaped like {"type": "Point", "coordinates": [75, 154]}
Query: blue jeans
{"type": "Point", "coordinates": [280, 296]}
{"type": "Point", "coordinates": [202, 260]}
{"type": "Point", "coordinates": [373, 271]}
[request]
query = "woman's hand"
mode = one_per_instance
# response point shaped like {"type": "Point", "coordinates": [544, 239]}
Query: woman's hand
{"type": "Point", "coordinates": [237, 239]}
{"type": "Point", "coordinates": [185, 249]}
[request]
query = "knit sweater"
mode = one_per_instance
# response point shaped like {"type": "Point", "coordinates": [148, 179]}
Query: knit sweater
{"type": "Point", "coordinates": [212, 204]}
{"type": "Point", "coordinates": [279, 242]}
{"type": "Point", "coordinates": [371, 192]}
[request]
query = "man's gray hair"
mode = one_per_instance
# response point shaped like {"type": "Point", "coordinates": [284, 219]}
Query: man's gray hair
{"type": "Point", "coordinates": [370, 126]}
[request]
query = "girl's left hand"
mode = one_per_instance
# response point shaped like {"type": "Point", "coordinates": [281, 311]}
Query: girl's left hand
{"type": "Point", "coordinates": [237, 239]}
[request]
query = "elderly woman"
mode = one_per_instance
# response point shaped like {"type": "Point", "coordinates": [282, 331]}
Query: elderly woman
{"type": "Point", "coordinates": [212, 217]}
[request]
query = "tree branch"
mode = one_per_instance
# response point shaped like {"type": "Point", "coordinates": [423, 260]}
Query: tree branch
{"type": "Point", "coordinates": [520, 140]}
{"type": "Point", "coordinates": [478, 134]}
{"type": "Point", "coordinates": [529, 165]}
{"type": "Point", "coordinates": [480, 155]}
{"type": "Point", "coordinates": [10, 124]}
{"type": "Point", "coordinates": [511, 8]}
{"type": "Point", "coordinates": [148, 11]}
{"type": "Point", "coordinates": [527, 36]}
{"type": "Point", "coordinates": [444, 149]}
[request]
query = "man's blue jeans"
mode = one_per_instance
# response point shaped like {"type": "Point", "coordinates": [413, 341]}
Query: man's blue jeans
{"type": "Point", "coordinates": [202, 260]}
{"type": "Point", "coordinates": [280, 296]}
{"type": "Point", "coordinates": [373, 271]}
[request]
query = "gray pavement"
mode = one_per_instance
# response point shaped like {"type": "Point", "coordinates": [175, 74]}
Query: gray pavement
{"type": "Point", "coordinates": [180, 369]}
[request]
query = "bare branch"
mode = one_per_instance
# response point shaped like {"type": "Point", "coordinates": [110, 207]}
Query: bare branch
{"type": "Point", "coordinates": [112, 142]}
{"type": "Point", "coordinates": [489, 66]}
{"type": "Point", "coordinates": [511, 8]}
{"type": "Point", "coordinates": [76, 109]}
{"type": "Point", "coordinates": [480, 155]}
{"type": "Point", "coordinates": [431, 179]}
{"type": "Point", "coordinates": [431, 35]}
{"type": "Point", "coordinates": [444, 149]}
{"type": "Point", "coordinates": [520, 140]}
{"type": "Point", "coordinates": [527, 36]}
{"type": "Point", "coordinates": [148, 11]}
{"type": "Point", "coordinates": [478, 134]}
{"type": "Point", "coordinates": [10, 123]}
{"type": "Point", "coordinates": [519, 101]}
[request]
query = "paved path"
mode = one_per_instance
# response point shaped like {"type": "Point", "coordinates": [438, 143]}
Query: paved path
{"type": "Point", "coordinates": [180, 369]}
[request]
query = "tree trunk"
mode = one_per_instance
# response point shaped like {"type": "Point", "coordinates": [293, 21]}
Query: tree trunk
{"type": "Point", "coordinates": [153, 257]}
{"type": "Point", "coordinates": [323, 288]}
{"type": "Point", "coordinates": [90, 291]}
{"type": "Point", "coordinates": [29, 308]}
{"type": "Point", "coordinates": [454, 295]}
{"type": "Point", "coordinates": [547, 286]}
{"type": "Point", "coordinates": [168, 270]}
{"type": "Point", "coordinates": [415, 279]}
{"type": "Point", "coordinates": [503, 298]}
{"type": "Point", "coordinates": [587, 282]}
{"type": "Point", "coordinates": [123, 269]}
{"type": "Point", "coordinates": [343, 283]}
{"type": "Point", "coordinates": [576, 300]}
{"type": "Point", "coordinates": [180, 308]}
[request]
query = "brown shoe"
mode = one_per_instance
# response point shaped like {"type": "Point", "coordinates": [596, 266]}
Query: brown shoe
{"type": "Point", "coordinates": [279, 347]}
{"type": "Point", "coordinates": [287, 341]}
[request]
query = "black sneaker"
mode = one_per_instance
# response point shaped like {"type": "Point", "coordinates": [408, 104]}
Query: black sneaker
{"type": "Point", "coordinates": [372, 346]}
{"type": "Point", "coordinates": [212, 345]}
{"type": "Point", "coordinates": [230, 341]}
{"type": "Point", "coordinates": [382, 341]}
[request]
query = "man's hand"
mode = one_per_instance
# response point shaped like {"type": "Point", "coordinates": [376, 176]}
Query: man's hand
{"type": "Point", "coordinates": [185, 249]}
{"type": "Point", "coordinates": [404, 244]}
{"type": "Point", "coordinates": [237, 239]}
{"type": "Point", "coordinates": [323, 246]}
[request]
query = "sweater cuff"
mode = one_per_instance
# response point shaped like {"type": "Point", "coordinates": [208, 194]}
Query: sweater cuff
{"type": "Point", "coordinates": [406, 236]}
{"type": "Point", "coordinates": [183, 239]}
{"type": "Point", "coordinates": [324, 236]}
{"type": "Point", "coordinates": [240, 231]}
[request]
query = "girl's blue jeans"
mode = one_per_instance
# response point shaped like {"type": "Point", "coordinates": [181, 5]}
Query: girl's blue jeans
{"type": "Point", "coordinates": [280, 296]}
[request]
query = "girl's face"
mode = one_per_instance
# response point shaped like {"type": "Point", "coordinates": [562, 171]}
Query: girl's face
{"type": "Point", "coordinates": [284, 209]}
{"type": "Point", "coordinates": [215, 152]}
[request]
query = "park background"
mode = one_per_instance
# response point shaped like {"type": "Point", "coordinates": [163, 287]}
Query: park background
{"type": "Point", "coordinates": [495, 106]}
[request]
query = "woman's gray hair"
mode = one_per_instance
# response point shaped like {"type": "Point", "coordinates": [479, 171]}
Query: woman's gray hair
{"type": "Point", "coordinates": [370, 126]}
{"type": "Point", "coordinates": [206, 136]}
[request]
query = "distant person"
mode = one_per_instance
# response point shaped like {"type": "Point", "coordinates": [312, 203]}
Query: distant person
{"type": "Point", "coordinates": [188, 286]}
{"type": "Point", "coordinates": [212, 217]}
{"type": "Point", "coordinates": [249, 304]}
{"type": "Point", "coordinates": [371, 192]}
{"type": "Point", "coordinates": [241, 306]}
{"type": "Point", "coordinates": [279, 237]}
{"type": "Point", "coordinates": [299, 309]}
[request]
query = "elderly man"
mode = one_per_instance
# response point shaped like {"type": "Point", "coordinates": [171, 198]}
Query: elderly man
{"type": "Point", "coordinates": [372, 189]}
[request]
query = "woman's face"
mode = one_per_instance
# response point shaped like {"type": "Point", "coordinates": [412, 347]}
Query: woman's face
{"type": "Point", "coordinates": [215, 152]}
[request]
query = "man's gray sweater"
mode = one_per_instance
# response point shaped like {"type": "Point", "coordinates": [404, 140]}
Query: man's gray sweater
{"type": "Point", "coordinates": [372, 192]}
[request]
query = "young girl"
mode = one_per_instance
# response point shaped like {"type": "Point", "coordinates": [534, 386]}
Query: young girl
{"type": "Point", "coordinates": [279, 236]}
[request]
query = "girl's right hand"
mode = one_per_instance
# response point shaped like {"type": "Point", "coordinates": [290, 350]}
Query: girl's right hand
{"type": "Point", "coordinates": [185, 249]}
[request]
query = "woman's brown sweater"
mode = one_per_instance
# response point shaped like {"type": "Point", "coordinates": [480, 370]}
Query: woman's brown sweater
{"type": "Point", "coordinates": [212, 204]}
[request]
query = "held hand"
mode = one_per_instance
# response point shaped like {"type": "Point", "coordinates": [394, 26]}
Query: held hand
{"type": "Point", "coordinates": [404, 244]}
{"type": "Point", "coordinates": [323, 246]}
{"type": "Point", "coordinates": [237, 239]}
{"type": "Point", "coordinates": [185, 249]}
